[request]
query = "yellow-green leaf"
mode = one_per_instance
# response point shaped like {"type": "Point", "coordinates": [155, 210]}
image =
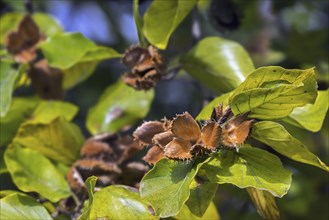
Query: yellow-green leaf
{"type": "Point", "coordinates": [8, 76]}
{"type": "Point", "coordinates": [66, 49]}
{"type": "Point", "coordinates": [22, 207]}
{"type": "Point", "coordinates": [59, 140]}
{"type": "Point", "coordinates": [119, 106]}
{"type": "Point", "coordinates": [90, 185]}
{"type": "Point", "coordinates": [166, 186]}
{"type": "Point", "coordinates": [273, 92]}
{"type": "Point", "coordinates": [119, 202]}
{"type": "Point", "coordinates": [20, 111]}
{"type": "Point", "coordinates": [250, 167]}
{"type": "Point", "coordinates": [47, 111]}
{"type": "Point", "coordinates": [264, 203]}
{"type": "Point", "coordinates": [201, 195]}
{"type": "Point", "coordinates": [210, 214]}
{"type": "Point", "coordinates": [78, 73]}
{"type": "Point", "coordinates": [220, 64]}
{"type": "Point", "coordinates": [33, 172]}
{"type": "Point", "coordinates": [162, 18]}
{"type": "Point", "coordinates": [276, 136]}
{"type": "Point", "coordinates": [310, 116]}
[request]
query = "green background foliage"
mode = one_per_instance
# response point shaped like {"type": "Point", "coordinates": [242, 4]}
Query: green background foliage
{"type": "Point", "coordinates": [270, 63]}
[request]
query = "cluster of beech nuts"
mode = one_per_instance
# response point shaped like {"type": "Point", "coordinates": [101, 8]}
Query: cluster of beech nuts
{"type": "Point", "coordinates": [183, 139]}
{"type": "Point", "coordinates": [145, 65]}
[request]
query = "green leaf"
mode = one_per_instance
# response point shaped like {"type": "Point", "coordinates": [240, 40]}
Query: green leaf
{"type": "Point", "coordinates": [210, 214]}
{"type": "Point", "coordinates": [207, 110]}
{"type": "Point", "coordinates": [47, 111]}
{"type": "Point", "coordinates": [33, 172]}
{"type": "Point", "coordinates": [139, 24]}
{"type": "Point", "coordinates": [59, 140]}
{"type": "Point", "coordinates": [277, 137]}
{"type": "Point", "coordinates": [90, 185]}
{"type": "Point", "coordinates": [8, 76]}
{"type": "Point", "coordinates": [250, 167]}
{"type": "Point", "coordinates": [166, 185]}
{"type": "Point", "coordinates": [119, 106]}
{"type": "Point", "coordinates": [78, 73]}
{"type": "Point", "coordinates": [20, 110]}
{"type": "Point", "coordinates": [66, 49]}
{"type": "Point", "coordinates": [100, 53]}
{"type": "Point", "coordinates": [4, 193]}
{"type": "Point", "coordinates": [310, 116]}
{"type": "Point", "coordinates": [47, 24]}
{"type": "Point", "coordinates": [119, 202]}
{"type": "Point", "coordinates": [264, 203]}
{"type": "Point", "coordinates": [3, 168]}
{"type": "Point", "coordinates": [218, 63]}
{"type": "Point", "coordinates": [201, 195]}
{"type": "Point", "coordinates": [273, 92]}
{"type": "Point", "coordinates": [162, 18]}
{"type": "Point", "coordinates": [19, 206]}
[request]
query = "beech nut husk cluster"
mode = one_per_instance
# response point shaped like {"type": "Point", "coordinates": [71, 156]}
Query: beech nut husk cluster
{"type": "Point", "coordinates": [183, 139]}
{"type": "Point", "coordinates": [146, 67]}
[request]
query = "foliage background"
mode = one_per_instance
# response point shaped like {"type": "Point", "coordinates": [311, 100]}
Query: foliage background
{"type": "Point", "coordinates": [291, 34]}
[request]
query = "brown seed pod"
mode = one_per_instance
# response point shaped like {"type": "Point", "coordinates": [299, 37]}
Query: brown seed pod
{"type": "Point", "coordinates": [22, 42]}
{"type": "Point", "coordinates": [179, 139]}
{"type": "Point", "coordinates": [108, 157]}
{"type": "Point", "coordinates": [234, 130]}
{"type": "Point", "coordinates": [182, 138]}
{"type": "Point", "coordinates": [146, 66]}
{"type": "Point", "coordinates": [46, 81]}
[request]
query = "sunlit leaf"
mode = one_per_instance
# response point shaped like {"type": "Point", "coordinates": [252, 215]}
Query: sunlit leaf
{"type": "Point", "coordinates": [207, 110]}
{"type": "Point", "coordinates": [210, 214]}
{"type": "Point", "coordinates": [166, 186]}
{"type": "Point", "coordinates": [61, 167]}
{"type": "Point", "coordinates": [66, 49]}
{"type": "Point", "coordinates": [46, 23]}
{"type": "Point", "coordinates": [59, 140]}
{"type": "Point", "coordinates": [33, 172]}
{"type": "Point", "coordinates": [119, 202]}
{"type": "Point", "coordinates": [8, 76]}
{"type": "Point", "coordinates": [119, 106]}
{"type": "Point", "coordinates": [264, 203]}
{"type": "Point", "coordinates": [273, 92]}
{"type": "Point", "coordinates": [90, 185]}
{"type": "Point", "coordinates": [4, 193]}
{"type": "Point", "coordinates": [250, 167]}
{"type": "Point", "coordinates": [277, 137]}
{"type": "Point", "coordinates": [20, 110]}
{"type": "Point", "coordinates": [78, 73]}
{"type": "Point", "coordinates": [47, 111]}
{"type": "Point", "coordinates": [100, 53]}
{"type": "Point", "coordinates": [19, 206]}
{"type": "Point", "coordinates": [162, 18]}
{"type": "Point", "coordinates": [201, 195]}
{"type": "Point", "coordinates": [218, 63]}
{"type": "Point", "coordinates": [310, 116]}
